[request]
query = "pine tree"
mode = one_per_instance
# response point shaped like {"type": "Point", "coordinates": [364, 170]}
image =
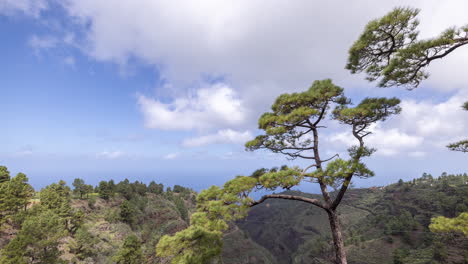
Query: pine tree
{"type": "Point", "coordinates": [80, 187]}
{"type": "Point", "coordinates": [130, 253]}
{"type": "Point", "coordinates": [389, 49]}
{"type": "Point", "coordinates": [292, 129]}
{"type": "Point", "coordinates": [14, 195]}
{"type": "Point", "coordinates": [127, 212]}
{"type": "Point", "coordinates": [4, 174]}
{"type": "Point", "coordinates": [104, 191]}
{"type": "Point", "coordinates": [83, 245]}
{"type": "Point", "coordinates": [37, 241]}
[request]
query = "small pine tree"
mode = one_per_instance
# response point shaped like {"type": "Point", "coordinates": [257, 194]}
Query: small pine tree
{"type": "Point", "coordinates": [131, 252]}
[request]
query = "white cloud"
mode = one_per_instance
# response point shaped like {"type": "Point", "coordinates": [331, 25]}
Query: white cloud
{"type": "Point", "coordinates": [441, 122]}
{"type": "Point", "coordinates": [389, 142]}
{"type": "Point", "coordinates": [110, 155]}
{"type": "Point", "coordinates": [261, 49]}
{"type": "Point", "coordinates": [209, 107]}
{"type": "Point", "coordinates": [421, 126]}
{"type": "Point", "coordinates": [28, 7]}
{"type": "Point", "coordinates": [222, 136]}
{"type": "Point", "coordinates": [288, 44]}
{"type": "Point", "coordinates": [171, 156]}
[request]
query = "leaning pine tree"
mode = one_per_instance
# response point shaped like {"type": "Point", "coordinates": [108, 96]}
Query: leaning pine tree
{"type": "Point", "coordinates": [389, 51]}
{"type": "Point", "coordinates": [292, 129]}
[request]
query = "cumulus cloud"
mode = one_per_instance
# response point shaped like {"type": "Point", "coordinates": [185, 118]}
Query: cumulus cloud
{"type": "Point", "coordinates": [442, 122]}
{"type": "Point", "coordinates": [289, 44]}
{"type": "Point", "coordinates": [421, 126]}
{"type": "Point", "coordinates": [209, 107]}
{"type": "Point", "coordinates": [389, 142]}
{"type": "Point", "coordinates": [110, 155]}
{"type": "Point", "coordinates": [222, 136]}
{"type": "Point", "coordinates": [28, 7]}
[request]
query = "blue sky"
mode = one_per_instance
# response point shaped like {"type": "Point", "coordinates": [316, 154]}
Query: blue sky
{"type": "Point", "coordinates": [152, 90]}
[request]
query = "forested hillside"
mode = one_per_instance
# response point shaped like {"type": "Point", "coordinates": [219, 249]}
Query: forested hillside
{"type": "Point", "coordinates": [109, 223]}
{"type": "Point", "coordinates": [122, 223]}
{"type": "Point", "coordinates": [383, 224]}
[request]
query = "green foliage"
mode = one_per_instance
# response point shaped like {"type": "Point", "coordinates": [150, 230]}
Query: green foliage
{"type": "Point", "coordinates": [399, 255]}
{"type": "Point", "coordinates": [56, 197]}
{"type": "Point", "coordinates": [291, 112]}
{"type": "Point", "coordinates": [440, 251]}
{"type": "Point", "coordinates": [84, 243]}
{"type": "Point", "coordinates": [461, 146]}
{"type": "Point", "coordinates": [194, 245]}
{"type": "Point", "coordinates": [81, 188]}
{"type": "Point", "coordinates": [388, 50]}
{"type": "Point", "coordinates": [155, 188]}
{"type": "Point", "coordinates": [15, 194]}
{"type": "Point", "coordinates": [37, 241]}
{"type": "Point", "coordinates": [180, 205]}
{"type": "Point", "coordinates": [104, 190]}
{"type": "Point", "coordinates": [130, 253]}
{"type": "Point", "coordinates": [444, 224]}
{"type": "Point", "coordinates": [4, 174]}
{"type": "Point", "coordinates": [92, 202]}
{"type": "Point", "coordinates": [127, 212]}
{"type": "Point", "coordinates": [369, 111]}
{"type": "Point", "coordinates": [89, 234]}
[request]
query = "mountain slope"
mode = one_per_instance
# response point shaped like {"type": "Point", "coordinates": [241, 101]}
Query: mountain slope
{"type": "Point", "coordinates": [381, 225]}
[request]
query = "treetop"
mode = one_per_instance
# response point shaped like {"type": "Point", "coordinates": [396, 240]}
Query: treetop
{"type": "Point", "coordinates": [388, 50]}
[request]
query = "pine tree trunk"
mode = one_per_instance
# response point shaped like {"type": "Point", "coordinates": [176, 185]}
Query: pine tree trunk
{"type": "Point", "coordinates": [337, 238]}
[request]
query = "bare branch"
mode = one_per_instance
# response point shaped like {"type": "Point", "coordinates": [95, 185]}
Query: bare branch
{"type": "Point", "coordinates": [349, 176]}
{"type": "Point", "coordinates": [304, 170]}
{"type": "Point", "coordinates": [332, 157]}
{"type": "Point", "coordinates": [315, 202]}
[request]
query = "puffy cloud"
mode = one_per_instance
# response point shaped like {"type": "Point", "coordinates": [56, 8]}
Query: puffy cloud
{"type": "Point", "coordinates": [209, 107]}
{"type": "Point", "coordinates": [440, 122]}
{"type": "Point", "coordinates": [28, 7]}
{"type": "Point", "coordinates": [110, 155]}
{"type": "Point", "coordinates": [222, 136]}
{"type": "Point", "coordinates": [289, 44]}
{"type": "Point", "coordinates": [389, 142]}
{"type": "Point", "coordinates": [421, 126]}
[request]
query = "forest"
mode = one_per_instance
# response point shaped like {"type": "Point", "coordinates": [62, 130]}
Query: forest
{"type": "Point", "coordinates": [123, 222]}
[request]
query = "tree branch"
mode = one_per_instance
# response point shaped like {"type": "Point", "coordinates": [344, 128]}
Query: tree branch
{"type": "Point", "coordinates": [315, 202]}
{"type": "Point", "coordinates": [336, 155]}
{"type": "Point", "coordinates": [348, 177]}
{"type": "Point", "coordinates": [461, 42]}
